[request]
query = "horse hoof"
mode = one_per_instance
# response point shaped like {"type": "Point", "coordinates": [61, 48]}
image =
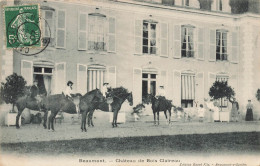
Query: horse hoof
{"type": "Point", "coordinates": [17, 127]}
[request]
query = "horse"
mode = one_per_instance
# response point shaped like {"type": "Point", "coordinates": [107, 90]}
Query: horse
{"type": "Point", "coordinates": [27, 102]}
{"type": "Point", "coordinates": [161, 104]}
{"type": "Point", "coordinates": [88, 103]}
{"type": "Point", "coordinates": [55, 103]}
{"type": "Point", "coordinates": [119, 95]}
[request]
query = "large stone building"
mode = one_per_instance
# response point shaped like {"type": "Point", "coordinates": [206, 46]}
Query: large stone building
{"type": "Point", "coordinates": [141, 45]}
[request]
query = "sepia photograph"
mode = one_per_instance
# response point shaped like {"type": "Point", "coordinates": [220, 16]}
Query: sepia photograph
{"type": "Point", "coordinates": [130, 82]}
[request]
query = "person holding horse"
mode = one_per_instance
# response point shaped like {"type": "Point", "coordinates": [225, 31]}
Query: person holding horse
{"type": "Point", "coordinates": [68, 90]}
{"type": "Point", "coordinates": [34, 93]}
{"type": "Point", "coordinates": [234, 110]}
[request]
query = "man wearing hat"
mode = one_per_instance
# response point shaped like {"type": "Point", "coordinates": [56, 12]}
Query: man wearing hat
{"type": "Point", "coordinates": [34, 90]}
{"type": "Point", "coordinates": [161, 92]}
{"type": "Point", "coordinates": [68, 90]}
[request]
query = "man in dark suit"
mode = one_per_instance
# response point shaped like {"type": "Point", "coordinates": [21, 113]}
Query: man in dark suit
{"type": "Point", "coordinates": [34, 90]}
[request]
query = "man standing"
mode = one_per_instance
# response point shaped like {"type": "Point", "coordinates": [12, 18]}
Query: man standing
{"type": "Point", "coordinates": [34, 91]}
{"type": "Point", "coordinates": [234, 110]}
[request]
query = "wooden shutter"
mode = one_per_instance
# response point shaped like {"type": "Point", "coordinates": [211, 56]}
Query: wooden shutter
{"type": "Point", "coordinates": [82, 78]}
{"type": "Point", "coordinates": [199, 91]}
{"type": "Point", "coordinates": [82, 31]}
{"type": "Point", "coordinates": [111, 34]}
{"type": "Point", "coordinates": [212, 45]}
{"type": "Point", "coordinates": [234, 47]}
{"type": "Point", "coordinates": [200, 47]}
{"type": "Point", "coordinates": [177, 42]}
{"type": "Point", "coordinates": [27, 71]}
{"type": "Point", "coordinates": [60, 77]}
{"type": "Point", "coordinates": [112, 76]}
{"type": "Point", "coordinates": [137, 86]}
{"type": "Point", "coordinates": [164, 39]}
{"type": "Point", "coordinates": [211, 79]}
{"type": "Point", "coordinates": [61, 29]}
{"type": "Point", "coordinates": [232, 81]}
{"type": "Point", "coordinates": [177, 88]}
{"type": "Point", "coordinates": [138, 36]}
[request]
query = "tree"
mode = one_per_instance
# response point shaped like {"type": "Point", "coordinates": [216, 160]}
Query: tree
{"type": "Point", "coordinates": [13, 88]}
{"type": "Point", "coordinates": [258, 95]}
{"type": "Point", "coordinates": [220, 90]}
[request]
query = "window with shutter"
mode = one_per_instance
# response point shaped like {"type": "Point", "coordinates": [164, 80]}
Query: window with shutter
{"type": "Point", "coordinates": [187, 89]}
{"type": "Point", "coordinates": [60, 77]}
{"type": "Point", "coordinates": [150, 37]}
{"type": "Point", "coordinates": [235, 52]}
{"type": "Point", "coordinates": [96, 32]}
{"type": "Point", "coordinates": [199, 93]}
{"type": "Point", "coordinates": [164, 39]}
{"type": "Point", "coordinates": [82, 31]}
{"type": "Point", "coordinates": [81, 78]}
{"type": "Point", "coordinates": [138, 36]}
{"type": "Point", "coordinates": [96, 76]}
{"type": "Point", "coordinates": [61, 29]}
{"type": "Point", "coordinates": [48, 25]}
{"type": "Point", "coordinates": [177, 42]}
{"type": "Point", "coordinates": [212, 45]}
{"type": "Point", "coordinates": [27, 71]}
{"type": "Point", "coordinates": [221, 45]}
{"type": "Point", "coordinates": [111, 34]}
{"type": "Point", "coordinates": [137, 86]}
{"type": "Point", "coordinates": [200, 52]}
{"type": "Point", "coordinates": [187, 41]}
{"type": "Point", "coordinates": [177, 87]}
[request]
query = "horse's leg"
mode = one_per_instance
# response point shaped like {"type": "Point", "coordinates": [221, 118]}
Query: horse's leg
{"type": "Point", "coordinates": [83, 121]}
{"type": "Point", "coordinates": [45, 119]}
{"type": "Point", "coordinates": [165, 113]}
{"type": "Point", "coordinates": [49, 122]}
{"type": "Point", "coordinates": [154, 117]}
{"type": "Point", "coordinates": [170, 114]}
{"type": "Point", "coordinates": [52, 120]}
{"type": "Point", "coordinates": [115, 117]}
{"type": "Point", "coordinates": [20, 110]}
{"type": "Point", "coordinates": [91, 119]}
{"type": "Point", "coordinates": [158, 117]}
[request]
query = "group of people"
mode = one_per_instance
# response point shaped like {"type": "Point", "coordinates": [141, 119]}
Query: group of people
{"type": "Point", "coordinates": [212, 106]}
{"type": "Point", "coordinates": [214, 111]}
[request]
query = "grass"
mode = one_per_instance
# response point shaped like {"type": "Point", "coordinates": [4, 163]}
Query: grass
{"type": "Point", "coordinates": [198, 143]}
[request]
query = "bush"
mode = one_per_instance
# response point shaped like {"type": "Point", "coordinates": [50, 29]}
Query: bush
{"type": "Point", "coordinates": [13, 88]}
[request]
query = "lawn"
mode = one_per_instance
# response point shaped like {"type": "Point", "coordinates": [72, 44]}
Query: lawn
{"type": "Point", "coordinates": [242, 143]}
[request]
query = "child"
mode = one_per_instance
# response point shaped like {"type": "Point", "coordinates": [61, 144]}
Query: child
{"type": "Point", "coordinates": [201, 112]}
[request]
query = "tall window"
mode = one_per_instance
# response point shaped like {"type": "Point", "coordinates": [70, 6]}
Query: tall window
{"type": "Point", "coordinates": [48, 26]}
{"type": "Point", "coordinates": [187, 89]}
{"type": "Point", "coordinates": [221, 45]}
{"type": "Point", "coordinates": [187, 43]}
{"type": "Point", "coordinates": [44, 76]}
{"type": "Point", "coordinates": [149, 37]}
{"type": "Point", "coordinates": [148, 84]}
{"type": "Point", "coordinates": [96, 32]}
{"type": "Point", "coordinates": [96, 77]}
{"type": "Point", "coordinates": [219, 5]}
{"type": "Point", "coordinates": [224, 102]}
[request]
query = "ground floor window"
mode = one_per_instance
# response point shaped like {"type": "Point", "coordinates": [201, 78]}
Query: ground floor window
{"type": "Point", "coordinates": [96, 77]}
{"type": "Point", "coordinates": [44, 77]}
{"type": "Point", "coordinates": [148, 84]}
{"type": "Point", "coordinates": [187, 89]}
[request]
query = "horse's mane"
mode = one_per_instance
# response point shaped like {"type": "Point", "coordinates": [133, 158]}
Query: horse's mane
{"type": "Point", "coordinates": [90, 92]}
{"type": "Point", "coordinates": [118, 91]}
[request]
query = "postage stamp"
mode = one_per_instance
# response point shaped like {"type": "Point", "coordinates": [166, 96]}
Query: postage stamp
{"type": "Point", "coordinates": [22, 25]}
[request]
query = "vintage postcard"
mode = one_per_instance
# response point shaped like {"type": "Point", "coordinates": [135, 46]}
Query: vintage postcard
{"type": "Point", "coordinates": [130, 82]}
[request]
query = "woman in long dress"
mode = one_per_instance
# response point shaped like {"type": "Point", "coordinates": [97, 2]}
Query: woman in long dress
{"type": "Point", "coordinates": [249, 111]}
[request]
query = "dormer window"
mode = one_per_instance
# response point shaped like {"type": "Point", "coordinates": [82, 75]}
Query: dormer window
{"type": "Point", "coordinates": [185, 2]}
{"type": "Point", "coordinates": [219, 5]}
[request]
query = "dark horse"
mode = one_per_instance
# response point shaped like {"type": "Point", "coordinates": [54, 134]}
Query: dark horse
{"type": "Point", "coordinates": [161, 104]}
{"type": "Point", "coordinates": [89, 102]}
{"type": "Point", "coordinates": [55, 103]}
{"type": "Point", "coordinates": [119, 95]}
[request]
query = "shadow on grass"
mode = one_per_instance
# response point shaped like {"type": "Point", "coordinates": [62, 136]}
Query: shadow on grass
{"type": "Point", "coordinates": [248, 142]}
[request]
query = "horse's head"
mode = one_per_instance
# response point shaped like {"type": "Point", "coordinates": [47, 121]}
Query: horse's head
{"type": "Point", "coordinates": [130, 98]}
